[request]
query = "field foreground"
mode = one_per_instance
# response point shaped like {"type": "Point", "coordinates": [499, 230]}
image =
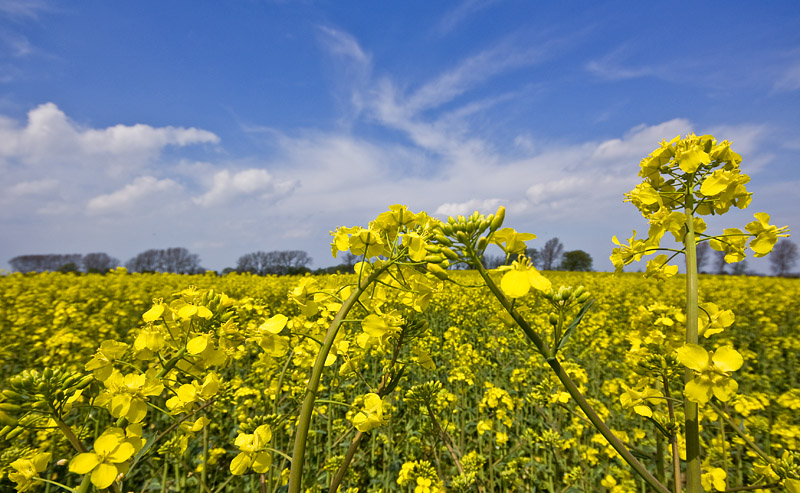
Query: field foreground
{"type": "Point", "coordinates": [474, 406]}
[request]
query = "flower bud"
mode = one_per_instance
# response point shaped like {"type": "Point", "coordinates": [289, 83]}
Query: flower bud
{"type": "Point", "coordinates": [461, 219]}
{"type": "Point", "coordinates": [499, 216]}
{"type": "Point", "coordinates": [483, 242]}
{"type": "Point", "coordinates": [437, 271]}
{"type": "Point", "coordinates": [11, 395]}
{"type": "Point", "coordinates": [10, 408]}
{"type": "Point", "coordinates": [83, 382]}
{"type": "Point", "coordinates": [578, 292]}
{"type": "Point", "coordinates": [449, 253]}
{"type": "Point", "coordinates": [442, 239]}
{"type": "Point", "coordinates": [434, 259]}
{"type": "Point", "coordinates": [433, 248]}
{"type": "Point", "coordinates": [584, 297]}
{"type": "Point", "coordinates": [462, 237]}
{"type": "Point", "coordinates": [14, 433]}
{"type": "Point", "coordinates": [553, 319]}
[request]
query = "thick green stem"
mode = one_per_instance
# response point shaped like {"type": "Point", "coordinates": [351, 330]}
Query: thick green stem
{"type": "Point", "coordinates": [693, 472]}
{"type": "Point", "coordinates": [304, 419]}
{"type": "Point", "coordinates": [573, 390]}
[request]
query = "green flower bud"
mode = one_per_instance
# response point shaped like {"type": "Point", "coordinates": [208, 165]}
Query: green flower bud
{"type": "Point", "coordinates": [11, 395]}
{"type": "Point", "coordinates": [449, 253]}
{"type": "Point", "coordinates": [553, 319]}
{"type": "Point", "coordinates": [437, 271]}
{"type": "Point", "coordinates": [451, 220]}
{"type": "Point", "coordinates": [434, 259]}
{"type": "Point", "coordinates": [83, 382]}
{"type": "Point", "coordinates": [10, 408]}
{"type": "Point", "coordinates": [499, 216]}
{"type": "Point", "coordinates": [14, 433]}
{"type": "Point", "coordinates": [483, 242]}
{"type": "Point", "coordinates": [578, 292]}
{"type": "Point", "coordinates": [584, 297]}
{"type": "Point", "coordinates": [442, 239]}
{"type": "Point", "coordinates": [7, 428]}
{"type": "Point", "coordinates": [433, 248]}
{"type": "Point", "coordinates": [48, 373]}
{"type": "Point", "coordinates": [462, 237]}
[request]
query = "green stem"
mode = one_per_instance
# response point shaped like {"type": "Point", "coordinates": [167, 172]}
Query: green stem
{"type": "Point", "coordinates": [572, 388]}
{"type": "Point", "coordinates": [693, 472]}
{"type": "Point", "coordinates": [304, 419]}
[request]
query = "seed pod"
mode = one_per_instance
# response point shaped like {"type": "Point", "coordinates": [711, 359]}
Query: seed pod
{"type": "Point", "coordinates": [499, 216]}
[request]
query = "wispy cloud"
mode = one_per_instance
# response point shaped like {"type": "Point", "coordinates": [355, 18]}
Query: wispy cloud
{"type": "Point", "coordinates": [249, 182]}
{"type": "Point", "coordinates": [466, 9]}
{"type": "Point", "coordinates": [128, 197]}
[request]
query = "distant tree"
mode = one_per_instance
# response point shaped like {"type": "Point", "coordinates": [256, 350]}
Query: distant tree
{"type": "Point", "coordinates": [177, 260]}
{"type": "Point", "coordinates": [577, 260]}
{"type": "Point", "coordinates": [719, 262]}
{"type": "Point", "coordinates": [783, 257]}
{"type": "Point", "coordinates": [493, 261]}
{"type": "Point", "coordinates": [277, 262]}
{"type": "Point", "coordinates": [534, 256]}
{"type": "Point", "coordinates": [551, 254]}
{"type": "Point", "coordinates": [228, 270]}
{"type": "Point", "coordinates": [99, 262]}
{"type": "Point", "coordinates": [42, 263]}
{"type": "Point", "coordinates": [68, 267]}
{"type": "Point", "coordinates": [703, 254]}
{"type": "Point", "coordinates": [739, 268]}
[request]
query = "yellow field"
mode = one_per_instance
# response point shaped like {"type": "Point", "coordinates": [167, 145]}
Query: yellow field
{"type": "Point", "coordinates": [496, 407]}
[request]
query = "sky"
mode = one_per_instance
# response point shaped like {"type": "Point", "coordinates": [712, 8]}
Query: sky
{"type": "Point", "coordinates": [233, 127]}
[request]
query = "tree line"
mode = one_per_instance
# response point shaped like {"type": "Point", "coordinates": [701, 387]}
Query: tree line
{"type": "Point", "coordinates": [287, 262]}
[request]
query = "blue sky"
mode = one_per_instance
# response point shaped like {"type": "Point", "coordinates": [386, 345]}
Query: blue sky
{"type": "Point", "coordinates": [231, 127]}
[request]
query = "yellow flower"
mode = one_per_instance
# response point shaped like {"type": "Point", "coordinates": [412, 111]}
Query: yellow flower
{"type": "Point", "coordinates": [126, 395]}
{"type": "Point", "coordinates": [111, 450]}
{"type": "Point", "coordinates": [371, 416]}
{"type": "Point", "coordinates": [640, 401]}
{"type": "Point", "coordinates": [766, 234]}
{"type": "Point", "coordinates": [714, 478]}
{"type": "Point", "coordinates": [27, 470]}
{"type": "Point", "coordinates": [712, 320]}
{"type": "Point", "coordinates": [510, 241]}
{"type": "Point", "coordinates": [253, 451]}
{"type": "Point", "coordinates": [521, 277]}
{"type": "Point", "coordinates": [713, 372]}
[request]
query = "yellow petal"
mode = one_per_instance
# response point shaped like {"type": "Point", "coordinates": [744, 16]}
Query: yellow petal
{"type": "Point", "coordinates": [197, 345]}
{"type": "Point", "coordinates": [374, 325]}
{"type": "Point", "coordinates": [275, 324]}
{"type": "Point", "coordinates": [725, 389]}
{"type": "Point", "coordinates": [693, 356]}
{"type": "Point", "coordinates": [262, 462]}
{"type": "Point", "coordinates": [153, 313]}
{"type": "Point", "coordinates": [240, 463]}
{"type": "Point", "coordinates": [104, 475]}
{"type": "Point", "coordinates": [83, 463]}
{"type": "Point", "coordinates": [697, 391]}
{"type": "Point", "coordinates": [727, 359]}
{"type": "Point", "coordinates": [515, 284]}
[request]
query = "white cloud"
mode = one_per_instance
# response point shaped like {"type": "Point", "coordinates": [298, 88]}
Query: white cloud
{"type": "Point", "coordinates": [129, 196]}
{"type": "Point", "coordinates": [789, 80]}
{"type": "Point", "coordinates": [51, 138]}
{"type": "Point", "coordinates": [227, 185]}
{"type": "Point", "coordinates": [459, 14]}
{"type": "Point", "coordinates": [33, 187]}
{"type": "Point", "coordinates": [641, 140]}
{"type": "Point", "coordinates": [343, 44]}
{"type": "Point", "coordinates": [485, 206]}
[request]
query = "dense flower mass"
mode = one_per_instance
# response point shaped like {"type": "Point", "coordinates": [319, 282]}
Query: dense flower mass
{"type": "Point", "coordinates": [495, 399]}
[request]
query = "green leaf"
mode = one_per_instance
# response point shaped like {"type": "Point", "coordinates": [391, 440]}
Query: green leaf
{"type": "Point", "coordinates": [572, 325]}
